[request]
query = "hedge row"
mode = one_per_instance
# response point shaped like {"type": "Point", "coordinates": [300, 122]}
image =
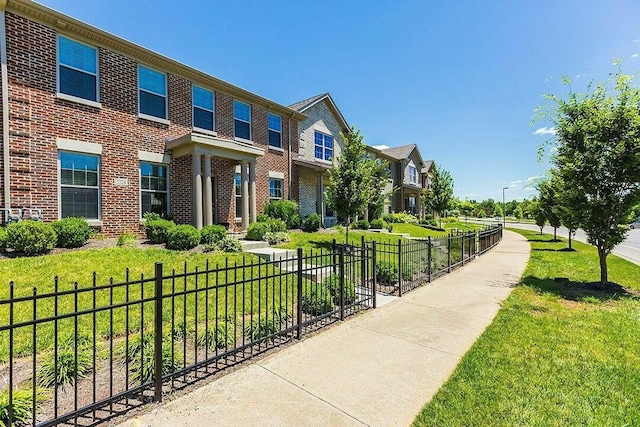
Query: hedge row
{"type": "Point", "coordinates": [34, 237]}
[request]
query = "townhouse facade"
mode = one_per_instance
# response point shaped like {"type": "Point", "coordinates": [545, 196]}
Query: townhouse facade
{"type": "Point", "coordinates": [96, 126]}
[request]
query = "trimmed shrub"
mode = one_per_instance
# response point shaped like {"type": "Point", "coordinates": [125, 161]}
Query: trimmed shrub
{"type": "Point", "coordinates": [286, 210]}
{"type": "Point", "coordinates": [72, 232]}
{"type": "Point", "coordinates": [275, 238]}
{"type": "Point", "coordinates": [388, 218]}
{"type": "Point", "coordinates": [333, 285]}
{"type": "Point", "coordinates": [431, 222]}
{"type": "Point", "coordinates": [387, 273]}
{"type": "Point", "coordinates": [212, 234]}
{"type": "Point", "coordinates": [182, 237]}
{"type": "Point", "coordinates": [257, 230]}
{"type": "Point", "coordinates": [363, 224]}
{"type": "Point", "coordinates": [317, 300]}
{"type": "Point", "coordinates": [311, 223]}
{"type": "Point", "coordinates": [405, 218]}
{"type": "Point", "coordinates": [277, 226]}
{"type": "Point", "coordinates": [157, 230]}
{"type": "Point", "coordinates": [3, 239]}
{"type": "Point", "coordinates": [31, 237]}
{"type": "Point", "coordinates": [230, 244]}
{"type": "Point", "coordinates": [449, 219]}
{"type": "Point", "coordinates": [126, 239]}
{"type": "Point", "coordinates": [377, 224]}
{"type": "Point", "coordinates": [263, 218]}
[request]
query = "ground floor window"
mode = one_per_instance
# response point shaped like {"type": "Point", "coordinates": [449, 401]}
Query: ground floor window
{"type": "Point", "coordinates": [79, 185]}
{"type": "Point", "coordinates": [238, 187]}
{"type": "Point", "coordinates": [410, 205]}
{"type": "Point", "coordinates": [153, 188]}
{"type": "Point", "coordinates": [275, 189]}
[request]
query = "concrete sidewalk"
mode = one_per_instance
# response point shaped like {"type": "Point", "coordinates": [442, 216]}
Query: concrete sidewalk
{"type": "Point", "coordinates": [376, 369]}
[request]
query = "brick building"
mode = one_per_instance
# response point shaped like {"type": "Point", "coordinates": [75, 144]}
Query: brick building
{"type": "Point", "coordinates": [96, 126]}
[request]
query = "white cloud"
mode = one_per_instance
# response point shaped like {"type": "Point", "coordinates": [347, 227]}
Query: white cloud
{"type": "Point", "coordinates": [380, 147]}
{"type": "Point", "coordinates": [513, 185]}
{"type": "Point", "coordinates": [470, 195]}
{"type": "Point", "coordinates": [577, 76]}
{"type": "Point", "coordinates": [533, 178]}
{"type": "Point", "coordinates": [636, 55]}
{"type": "Point", "coordinates": [545, 131]}
{"type": "Point", "coordinates": [517, 181]}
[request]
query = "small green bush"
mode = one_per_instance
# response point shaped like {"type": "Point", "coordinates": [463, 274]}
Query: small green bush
{"type": "Point", "coordinates": [72, 232]}
{"type": "Point", "coordinates": [265, 327]}
{"type": "Point", "coordinates": [405, 218]}
{"type": "Point", "coordinates": [3, 239]}
{"type": "Point", "coordinates": [22, 405]}
{"type": "Point", "coordinates": [363, 224]}
{"type": "Point", "coordinates": [222, 335]}
{"type": "Point", "coordinates": [277, 226]}
{"type": "Point", "coordinates": [386, 273]}
{"type": "Point", "coordinates": [333, 285]}
{"type": "Point", "coordinates": [388, 218]}
{"type": "Point", "coordinates": [276, 238]}
{"type": "Point", "coordinates": [430, 222]}
{"type": "Point", "coordinates": [158, 230]}
{"type": "Point", "coordinates": [257, 230]}
{"type": "Point", "coordinates": [311, 223]}
{"type": "Point", "coordinates": [286, 210]}
{"type": "Point", "coordinates": [212, 234]}
{"type": "Point", "coordinates": [263, 218]}
{"type": "Point", "coordinates": [230, 244]}
{"type": "Point", "coordinates": [143, 368]}
{"type": "Point", "coordinates": [31, 237]}
{"type": "Point", "coordinates": [67, 370]}
{"type": "Point", "coordinates": [316, 300]}
{"type": "Point", "coordinates": [126, 239]}
{"type": "Point", "coordinates": [449, 219]}
{"type": "Point", "coordinates": [183, 237]}
{"type": "Point", "coordinates": [377, 224]}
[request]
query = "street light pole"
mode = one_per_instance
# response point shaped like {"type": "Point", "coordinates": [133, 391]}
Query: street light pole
{"type": "Point", "coordinates": [504, 209]}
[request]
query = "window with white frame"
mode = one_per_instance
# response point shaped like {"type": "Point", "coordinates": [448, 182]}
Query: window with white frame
{"type": "Point", "coordinates": [238, 188]}
{"type": "Point", "coordinates": [153, 188]}
{"type": "Point", "coordinates": [77, 69]}
{"type": "Point", "coordinates": [275, 189]}
{"type": "Point", "coordinates": [79, 185]}
{"type": "Point", "coordinates": [275, 130]}
{"type": "Point", "coordinates": [152, 92]}
{"type": "Point", "coordinates": [413, 175]}
{"type": "Point", "coordinates": [203, 109]}
{"type": "Point", "coordinates": [411, 204]}
{"type": "Point", "coordinates": [323, 146]}
{"type": "Point", "coordinates": [242, 120]}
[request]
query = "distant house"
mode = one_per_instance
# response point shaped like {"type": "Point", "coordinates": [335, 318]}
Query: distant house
{"type": "Point", "coordinates": [319, 144]}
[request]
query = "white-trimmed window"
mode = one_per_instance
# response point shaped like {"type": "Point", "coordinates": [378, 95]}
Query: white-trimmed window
{"type": "Point", "coordinates": [153, 188]}
{"type": "Point", "coordinates": [275, 189]}
{"type": "Point", "coordinates": [152, 92]}
{"type": "Point", "coordinates": [77, 69]}
{"type": "Point", "coordinates": [323, 145]}
{"type": "Point", "coordinates": [238, 188]}
{"type": "Point", "coordinates": [203, 109]}
{"type": "Point", "coordinates": [79, 185]}
{"type": "Point", "coordinates": [413, 175]}
{"type": "Point", "coordinates": [411, 205]}
{"type": "Point", "coordinates": [275, 130]}
{"type": "Point", "coordinates": [242, 120]}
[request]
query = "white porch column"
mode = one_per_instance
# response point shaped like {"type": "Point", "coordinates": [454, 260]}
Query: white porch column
{"type": "Point", "coordinates": [245, 195]}
{"type": "Point", "coordinates": [252, 192]}
{"type": "Point", "coordinates": [208, 193]}
{"type": "Point", "coordinates": [319, 198]}
{"type": "Point", "coordinates": [419, 206]}
{"type": "Point", "coordinates": [197, 190]}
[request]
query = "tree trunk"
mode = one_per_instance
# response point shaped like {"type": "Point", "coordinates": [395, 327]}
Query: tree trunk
{"type": "Point", "coordinates": [570, 233]}
{"type": "Point", "coordinates": [555, 233]}
{"type": "Point", "coordinates": [604, 278]}
{"type": "Point", "coordinates": [541, 230]}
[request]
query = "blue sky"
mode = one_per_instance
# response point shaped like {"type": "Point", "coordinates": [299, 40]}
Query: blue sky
{"type": "Point", "coordinates": [461, 78]}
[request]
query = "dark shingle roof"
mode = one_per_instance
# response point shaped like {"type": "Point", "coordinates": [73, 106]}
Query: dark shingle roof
{"type": "Point", "coordinates": [299, 106]}
{"type": "Point", "coordinates": [401, 152]}
{"type": "Point", "coordinates": [427, 165]}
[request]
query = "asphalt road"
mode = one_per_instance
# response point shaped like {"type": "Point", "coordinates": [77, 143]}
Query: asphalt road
{"type": "Point", "coordinates": [629, 249]}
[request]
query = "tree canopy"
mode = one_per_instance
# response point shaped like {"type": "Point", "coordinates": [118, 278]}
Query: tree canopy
{"type": "Point", "coordinates": [439, 196]}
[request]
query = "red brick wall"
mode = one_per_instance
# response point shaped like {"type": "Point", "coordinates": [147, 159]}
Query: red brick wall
{"type": "Point", "coordinates": [38, 118]}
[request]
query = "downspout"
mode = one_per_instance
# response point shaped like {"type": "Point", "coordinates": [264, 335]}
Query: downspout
{"type": "Point", "coordinates": [289, 183]}
{"type": "Point", "coordinates": [5, 106]}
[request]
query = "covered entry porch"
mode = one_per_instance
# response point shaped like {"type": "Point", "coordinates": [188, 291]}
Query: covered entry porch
{"type": "Point", "coordinates": [312, 181]}
{"type": "Point", "coordinates": [210, 176]}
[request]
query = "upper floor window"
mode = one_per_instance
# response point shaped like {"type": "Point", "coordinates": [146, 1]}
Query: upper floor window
{"type": "Point", "coordinates": [203, 112]}
{"type": "Point", "coordinates": [77, 69]}
{"type": "Point", "coordinates": [275, 130]}
{"type": "Point", "coordinates": [323, 146]}
{"type": "Point", "coordinates": [413, 175]}
{"type": "Point", "coordinates": [153, 188]}
{"type": "Point", "coordinates": [152, 92]}
{"type": "Point", "coordinates": [242, 120]}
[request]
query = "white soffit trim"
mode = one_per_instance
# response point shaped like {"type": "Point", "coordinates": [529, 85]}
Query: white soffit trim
{"type": "Point", "coordinates": [79, 146]}
{"type": "Point", "coordinates": [278, 175]}
{"type": "Point", "coordinates": [147, 156]}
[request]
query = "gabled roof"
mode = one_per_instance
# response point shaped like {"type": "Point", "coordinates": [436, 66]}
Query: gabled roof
{"type": "Point", "coordinates": [399, 153]}
{"type": "Point", "coordinates": [305, 104]}
{"type": "Point", "coordinates": [427, 166]}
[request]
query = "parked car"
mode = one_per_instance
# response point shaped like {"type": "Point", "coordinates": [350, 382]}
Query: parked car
{"type": "Point", "coordinates": [635, 224]}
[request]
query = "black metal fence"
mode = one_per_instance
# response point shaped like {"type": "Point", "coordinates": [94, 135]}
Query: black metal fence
{"type": "Point", "coordinates": [84, 354]}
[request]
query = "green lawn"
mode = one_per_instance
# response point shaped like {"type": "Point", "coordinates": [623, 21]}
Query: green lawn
{"type": "Point", "coordinates": [463, 226]}
{"type": "Point", "coordinates": [324, 240]}
{"type": "Point", "coordinates": [556, 354]}
{"type": "Point", "coordinates": [416, 230]}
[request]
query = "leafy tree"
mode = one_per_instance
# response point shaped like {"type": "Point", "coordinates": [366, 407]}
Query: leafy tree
{"type": "Point", "coordinates": [497, 210]}
{"type": "Point", "coordinates": [466, 208]}
{"type": "Point", "coordinates": [376, 195]}
{"type": "Point", "coordinates": [481, 213]}
{"type": "Point", "coordinates": [539, 217]}
{"type": "Point", "coordinates": [598, 157]}
{"type": "Point", "coordinates": [549, 203]}
{"type": "Point", "coordinates": [517, 212]}
{"type": "Point", "coordinates": [350, 179]}
{"type": "Point", "coordinates": [439, 196]}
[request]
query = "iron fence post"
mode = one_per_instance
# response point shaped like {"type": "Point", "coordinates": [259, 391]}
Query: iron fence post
{"type": "Point", "coordinates": [448, 253]}
{"type": "Point", "coordinates": [429, 259]}
{"type": "Point", "coordinates": [157, 397]}
{"type": "Point", "coordinates": [462, 248]}
{"type": "Point", "coordinates": [363, 264]}
{"type": "Point", "coordinates": [373, 274]}
{"type": "Point", "coordinates": [399, 268]}
{"type": "Point", "coordinates": [299, 294]}
{"type": "Point", "coordinates": [341, 281]}
{"type": "Point", "coordinates": [333, 256]}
